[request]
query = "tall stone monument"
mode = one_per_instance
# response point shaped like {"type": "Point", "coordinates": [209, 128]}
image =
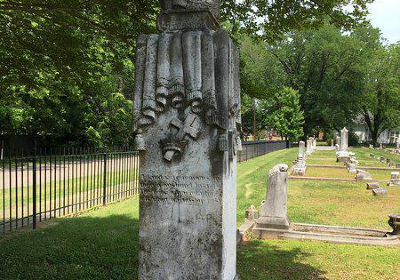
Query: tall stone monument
{"type": "Point", "coordinates": [187, 125]}
{"type": "Point", "coordinates": [273, 218]}
{"type": "Point", "coordinates": [343, 155]}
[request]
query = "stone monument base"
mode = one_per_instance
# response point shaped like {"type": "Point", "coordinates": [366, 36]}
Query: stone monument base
{"type": "Point", "coordinates": [268, 233]}
{"type": "Point", "coordinates": [270, 227]}
{"type": "Point", "coordinates": [343, 158]}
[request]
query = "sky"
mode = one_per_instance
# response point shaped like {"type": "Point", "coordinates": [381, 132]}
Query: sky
{"type": "Point", "coordinates": [385, 14]}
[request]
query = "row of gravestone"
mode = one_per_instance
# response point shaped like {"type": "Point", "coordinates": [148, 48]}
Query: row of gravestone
{"type": "Point", "coordinates": [272, 219]}
{"type": "Point", "coordinates": [384, 160]}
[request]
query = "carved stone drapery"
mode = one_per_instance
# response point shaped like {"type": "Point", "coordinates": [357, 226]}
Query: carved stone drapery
{"type": "Point", "coordinates": [199, 79]}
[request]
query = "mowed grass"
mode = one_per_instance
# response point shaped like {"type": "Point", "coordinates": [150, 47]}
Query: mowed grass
{"type": "Point", "coordinates": [323, 172]}
{"type": "Point", "coordinates": [103, 244]}
{"type": "Point", "coordinates": [318, 202]}
{"type": "Point", "coordinates": [341, 204]}
{"type": "Point", "coordinates": [363, 154]}
{"type": "Point", "coordinates": [252, 178]}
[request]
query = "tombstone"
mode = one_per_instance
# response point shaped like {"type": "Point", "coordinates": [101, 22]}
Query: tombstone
{"type": "Point", "coordinates": [398, 144]}
{"type": "Point", "coordinates": [251, 213]}
{"type": "Point", "coordinates": [397, 165]}
{"type": "Point", "coordinates": [371, 155]}
{"type": "Point", "coordinates": [302, 149]}
{"type": "Point", "coordinates": [381, 146]}
{"type": "Point", "coordinates": [352, 168]}
{"type": "Point", "coordinates": [372, 185]}
{"type": "Point", "coordinates": [315, 143]}
{"type": "Point", "coordinates": [338, 140]}
{"type": "Point", "coordinates": [379, 192]}
{"type": "Point", "coordinates": [371, 146]}
{"type": "Point", "coordinates": [332, 143]}
{"type": "Point", "coordinates": [382, 159]}
{"type": "Point", "coordinates": [273, 214]}
{"type": "Point", "coordinates": [343, 155]}
{"type": "Point", "coordinates": [309, 147]}
{"type": "Point", "coordinates": [394, 179]}
{"type": "Point", "coordinates": [337, 148]}
{"type": "Point", "coordinates": [394, 223]}
{"type": "Point", "coordinates": [187, 125]}
{"type": "Point", "coordinates": [388, 161]}
{"type": "Point", "coordinates": [363, 175]}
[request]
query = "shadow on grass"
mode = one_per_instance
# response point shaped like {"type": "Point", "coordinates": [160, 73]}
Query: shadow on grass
{"type": "Point", "coordinates": [78, 248]}
{"type": "Point", "coordinates": [258, 260]}
{"type": "Point", "coordinates": [107, 248]}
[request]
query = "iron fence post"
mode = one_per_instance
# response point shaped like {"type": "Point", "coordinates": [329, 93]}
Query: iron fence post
{"type": "Point", "coordinates": [104, 178]}
{"type": "Point", "coordinates": [34, 192]}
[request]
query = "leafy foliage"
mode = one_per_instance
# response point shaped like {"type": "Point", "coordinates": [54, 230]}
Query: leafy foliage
{"type": "Point", "coordinates": [286, 117]}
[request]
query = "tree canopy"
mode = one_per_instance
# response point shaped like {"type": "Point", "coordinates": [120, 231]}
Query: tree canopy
{"type": "Point", "coordinates": [61, 61]}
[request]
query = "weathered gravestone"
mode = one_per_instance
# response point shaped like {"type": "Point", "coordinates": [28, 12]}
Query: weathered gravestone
{"type": "Point", "coordinates": [398, 144]}
{"type": "Point", "coordinates": [309, 147]}
{"type": "Point", "coordinates": [363, 175]}
{"type": "Point", "coordinates": [187, 125]}
{"type": "Point", "coordinates": [273, 214]}
{"type": "Point", "coordinates": [394, 179]}
{"type": "Point", "coordinates": [343, 155]}
{"type": "Point", "coordinates": [372, 185]}
{"type": "Point", "coordinates": [379, 192]}
{"type": "Point", "coordinates": [299, 167]}
{"type": "Point", "coordinates": [394, 223]}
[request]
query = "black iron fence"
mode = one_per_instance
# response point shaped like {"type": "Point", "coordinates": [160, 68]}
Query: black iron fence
{"type": "Point", "coordinates": [54, 183]}
{"type": "Point", "coordinates": [252, 149]}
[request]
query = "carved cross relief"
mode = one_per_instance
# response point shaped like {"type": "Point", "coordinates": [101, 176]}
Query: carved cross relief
{"type": "Point", "coordinates": [181, 131]}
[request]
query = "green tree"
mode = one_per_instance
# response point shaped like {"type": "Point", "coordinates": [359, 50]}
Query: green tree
{"type": "Point", "coordinates": [381, 103]}
{"type": "Point", "coordinates": [284, 114]}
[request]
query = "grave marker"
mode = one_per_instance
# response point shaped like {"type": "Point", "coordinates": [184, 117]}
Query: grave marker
{"type": "Point", "coordinates": [187, 126]}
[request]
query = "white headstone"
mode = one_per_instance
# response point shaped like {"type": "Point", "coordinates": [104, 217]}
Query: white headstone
{"type": "Point", "coordinates": [344, 140]}
{"type": "Point", "coordinates": [302, 149]}
{"type": "Point", "coordinates": [273, 213]}
{"type": "Point", "coordinates": [187, 125]}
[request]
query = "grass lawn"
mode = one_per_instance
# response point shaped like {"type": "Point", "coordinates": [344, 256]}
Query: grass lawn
{"type": "Point", "coordinates": [103, 244]}
{"type": "Point", "coordinates": [362, 154]}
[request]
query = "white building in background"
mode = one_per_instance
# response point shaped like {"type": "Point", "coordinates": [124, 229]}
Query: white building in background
{"type": "Point", "coordinates": [386, 137]}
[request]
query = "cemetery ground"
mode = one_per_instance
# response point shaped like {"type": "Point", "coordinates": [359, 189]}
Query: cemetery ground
{"type": "Point", "coordinates": [103, 244]}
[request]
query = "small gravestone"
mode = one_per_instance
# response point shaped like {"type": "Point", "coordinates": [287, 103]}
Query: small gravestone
{"type": "Point", "coordinates": [251, 213]}
{"type": "Point", "coordinates": [337, 148]}
{"type": "Point", "coordinates": [187, 127]}
{"type": "Point", "coordinates": [394, 223]}
{"type": "Point", "coordinates": [273, 214]}
{"type": "Point", "coordinates": [371, 146]}
{"type": "Point", "coordinates": [352, 168]}
{"type": "Point", "coordinates": [363, 175]}
{"type": "Point", "coordinates": [397, 165]}
{"type": "Point", "coordinates": [388, 161]}
{"type": "Point", "coordinates": [371, 155]}
{"type": "Point", "coordinates": [394, 179]}
{"type": "Point", "coordinates": [379, 192]}
{"type": "Point", "coordinates": [382, 159]}
{"type": "Point", "coordinates": [372, 185]}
